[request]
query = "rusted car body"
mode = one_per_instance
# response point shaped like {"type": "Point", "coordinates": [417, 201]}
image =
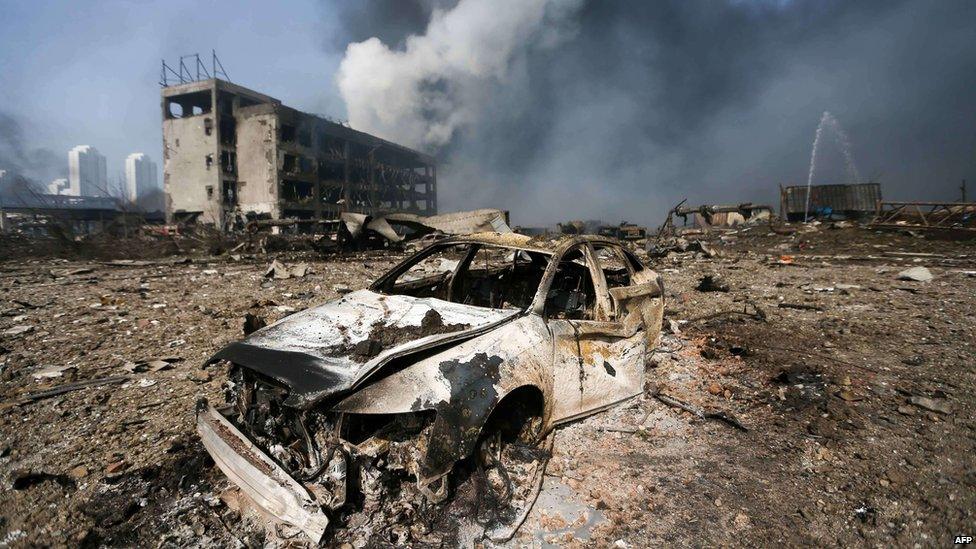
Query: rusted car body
{"type": "Point", "coordinates": [411, 374]}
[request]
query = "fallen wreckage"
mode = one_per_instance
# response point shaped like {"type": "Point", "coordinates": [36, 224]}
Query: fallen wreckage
{"type": "Point", "coordinates": [459, 361]}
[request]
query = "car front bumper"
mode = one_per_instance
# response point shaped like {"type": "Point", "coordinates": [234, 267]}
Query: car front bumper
{"type": "Point", "coordinates": [257, 475]}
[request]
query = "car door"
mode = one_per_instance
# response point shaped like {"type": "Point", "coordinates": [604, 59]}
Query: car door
{"type": "Point", "coordinates": [600, 338]}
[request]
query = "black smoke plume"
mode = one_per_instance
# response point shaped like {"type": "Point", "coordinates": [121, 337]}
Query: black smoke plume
{"type": "Point", "coordinates": [559, 109]}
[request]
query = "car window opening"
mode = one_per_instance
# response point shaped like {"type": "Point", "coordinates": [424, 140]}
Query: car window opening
{"type": "Point", "coordinates": [473, 274]}
{"type": "Point", "coordinates": [571, 295]}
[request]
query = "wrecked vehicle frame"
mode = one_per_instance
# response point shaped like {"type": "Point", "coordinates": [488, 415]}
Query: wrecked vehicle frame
{"type": "Point", "coordinates": [474, 348]}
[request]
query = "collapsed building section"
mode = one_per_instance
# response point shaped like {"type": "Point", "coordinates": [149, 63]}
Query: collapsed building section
{"type": "Point", "coordinates": [953, 219]}
{"type": "Point", "coordinates": [232, 155]}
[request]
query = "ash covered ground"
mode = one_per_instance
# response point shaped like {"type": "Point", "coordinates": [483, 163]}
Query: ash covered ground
{"type": "Point", "coordinates": [857, 390]}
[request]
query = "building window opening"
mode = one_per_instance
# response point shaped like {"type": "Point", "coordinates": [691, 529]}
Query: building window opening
{"type": "Point", "coordinates": [287, 133]}
{"type": "Point", "coordinates": [228, 162]}
{"type": "Point", "coordinates": [228, 131]}
{"type": "Point", "coordinates": [188, 104]}
{"type": "Point", "coordinates": [297, 191]}
{"type": "Point", "coordinates": [290, 163]}
{"type": "Point", "coordinates": [331, 195]}
{"type": "Point", "coordinates": [230, 193]}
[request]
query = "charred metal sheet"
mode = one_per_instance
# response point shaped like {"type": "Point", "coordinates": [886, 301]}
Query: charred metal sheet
{"type": "Point", "coordinates": [455, 223]}
{"type": "Point", "coordinates": [356, 223]}
{"type": "Point", "coordinates": [854, 200]}
{"type": "Point", "coordinates": [258, 475]}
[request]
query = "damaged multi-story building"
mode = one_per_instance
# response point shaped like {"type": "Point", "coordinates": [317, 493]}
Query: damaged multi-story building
{"type": "Point", "coordinates": [232, 154]}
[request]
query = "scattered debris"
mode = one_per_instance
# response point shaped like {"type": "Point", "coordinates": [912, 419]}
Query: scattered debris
{"type": "Point", "coordinates": [839, 415]}
{"type": "Point", "coordinates": [19, 330]}
{"type": "Point", "coordinates": [918, 274]}
{"type": "Point", "coordinates": [53, 371]}
{"type": "Point", "coordinates": [700, 413]}
{"type": "Point", "coordinates": [280, 271]}
{"type": "Point", "coordinates": [253, 323]}
{"type": "Point", "coordinates": [151, 365]}
{"type": "Point", "coordinates": [69, 387]}
{"type": "Point", "coordinates": [712, 283]}
{"type": "Point", "coordinates": [800, 306]}
{"type": "Point", "coordinates": [931, 404]}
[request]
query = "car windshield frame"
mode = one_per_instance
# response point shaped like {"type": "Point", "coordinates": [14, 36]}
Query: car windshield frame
{"type": "Point", "coordinates": [384, 284]}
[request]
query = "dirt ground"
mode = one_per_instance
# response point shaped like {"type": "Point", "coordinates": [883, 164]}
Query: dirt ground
{"type": "Point", "coordinates": [856, 389]}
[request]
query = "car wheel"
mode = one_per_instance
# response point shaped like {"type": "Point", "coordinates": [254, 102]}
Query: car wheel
{"type": "Point", "coordinates": [511, 461]}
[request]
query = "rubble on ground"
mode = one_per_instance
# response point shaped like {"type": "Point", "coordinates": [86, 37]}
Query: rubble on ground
{"type": "Point", "coordinates": [855, 388]}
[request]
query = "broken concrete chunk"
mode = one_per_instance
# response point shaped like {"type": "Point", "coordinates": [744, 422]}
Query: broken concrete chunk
{"type": "Point", "coordinates": [931, 404]}
{"type": "Point", "coordinates": [19, 330]}
{"type": "Point", "coordinates": [116, 467]}
{"type": "Point", "coordinates": [78, 472]}
{"type": "Point", "coordinates": [69, 272]}
{"type": "Point", "coordinates": [280, 271]}
{"type": "Point", "coordinates": [53, 371]}
{"type": "Point", "coordinates": [918, 274]}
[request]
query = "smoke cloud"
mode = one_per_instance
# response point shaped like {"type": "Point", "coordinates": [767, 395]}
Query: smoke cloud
{"type": "Point", "coordinates": [558, 109]}
{"type": "Point", "coordinates": [421, 96]}
{"type": "Point", "coordinates": [25, 167]}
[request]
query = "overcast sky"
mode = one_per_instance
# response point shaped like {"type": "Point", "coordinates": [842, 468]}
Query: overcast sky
{"type": "Point", "coordinates": [86, 73]}
{"type": "Point", "coordinates": [715, 101]}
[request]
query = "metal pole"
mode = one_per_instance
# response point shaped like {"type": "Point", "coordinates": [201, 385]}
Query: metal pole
{"type": "Point", "coordinates": [963, 189]}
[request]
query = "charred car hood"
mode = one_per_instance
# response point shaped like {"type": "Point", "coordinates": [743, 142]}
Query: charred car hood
{"type": "Point", "coordinates": [328, 349]}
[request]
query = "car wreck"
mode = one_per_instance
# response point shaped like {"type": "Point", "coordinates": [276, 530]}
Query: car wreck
{"type": "Point", "coordinates": [453, 367]}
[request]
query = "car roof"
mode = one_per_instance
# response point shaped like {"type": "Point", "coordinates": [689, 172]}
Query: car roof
{"type": "Point", "coordinates": [542, 244]}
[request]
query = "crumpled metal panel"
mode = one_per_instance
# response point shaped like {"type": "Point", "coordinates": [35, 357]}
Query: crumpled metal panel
{"type": "Point", "coordinates": [300, 350]}
{"type": "Point", "coordinates": [463, 384]}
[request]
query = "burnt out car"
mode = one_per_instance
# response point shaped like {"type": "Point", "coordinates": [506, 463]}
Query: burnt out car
{"type": "Point", "coordinates": [456, 364]}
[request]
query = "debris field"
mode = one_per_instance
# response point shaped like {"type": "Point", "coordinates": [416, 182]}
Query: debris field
{"type": "Point", "coordinates": [811, 387]}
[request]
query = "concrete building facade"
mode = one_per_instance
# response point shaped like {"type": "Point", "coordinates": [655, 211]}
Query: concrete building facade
{"type": "Point", "coordinates": [140, 176]}
{"type": "Point", "coordinates": [87, 175]}
{"type": "Point", "coordinates": [230, 153]}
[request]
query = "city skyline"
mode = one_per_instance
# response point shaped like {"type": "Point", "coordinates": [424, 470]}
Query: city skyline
{"type": "Point", "coordinates": [138, 177]}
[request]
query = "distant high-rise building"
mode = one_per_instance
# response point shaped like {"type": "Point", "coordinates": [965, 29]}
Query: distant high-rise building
{"type": "Point", "coordinates": [140, 176]}
{"type": "Point", "coordinates": [58, 186]}
{"type": "Point", "coordinates": [87, 175]}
